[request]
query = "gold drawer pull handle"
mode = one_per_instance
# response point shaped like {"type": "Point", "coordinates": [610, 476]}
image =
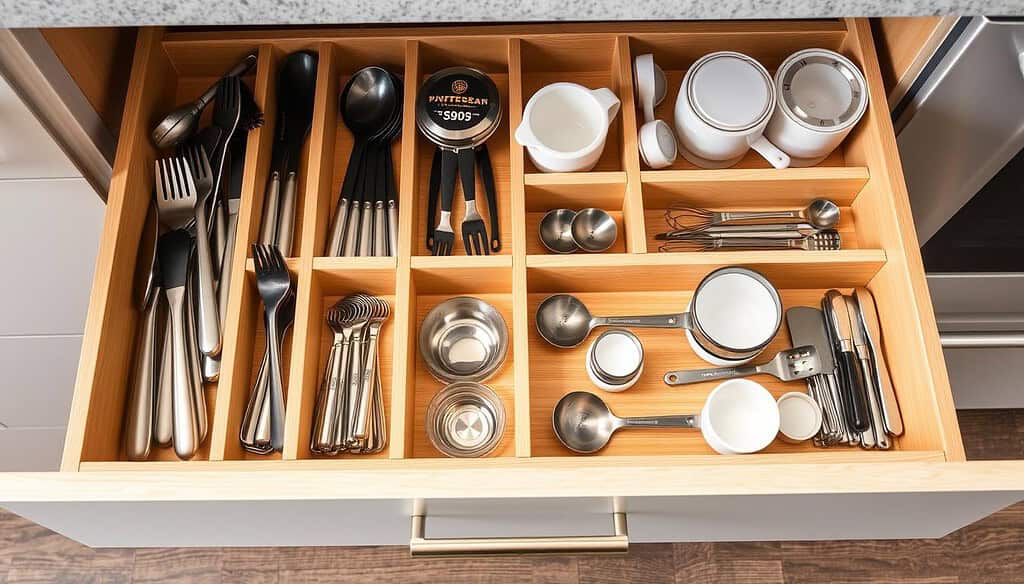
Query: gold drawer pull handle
{"type": "Point", "coordinates": [420, 546]}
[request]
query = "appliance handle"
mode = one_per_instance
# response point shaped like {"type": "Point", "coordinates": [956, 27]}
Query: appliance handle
{"type": "Point", "coordinates": [420, 546]}
{"type": "Point", "coordinates": [982, 340]}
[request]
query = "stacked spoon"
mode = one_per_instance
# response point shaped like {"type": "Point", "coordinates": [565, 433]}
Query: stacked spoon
{"type": "Point", "coordinates": [349, 411]}
{"type": "Point", "coordinates": [366, 219]}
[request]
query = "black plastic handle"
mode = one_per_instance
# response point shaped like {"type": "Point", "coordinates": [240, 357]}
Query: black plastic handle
{"type": "Point", "coordinates": [856, 391]}
{"type": "Point", "coordinates": [449, 165]}
{"type": "Point", "coordinates": [483, 160]}
{"type": "Point", "coordinates": [434, 195]}
{"type": "Point", "coordinates": [467, 170]}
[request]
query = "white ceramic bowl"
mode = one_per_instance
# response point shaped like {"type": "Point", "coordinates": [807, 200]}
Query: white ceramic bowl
{"type": "Point", "coordinates": [740, 416]}
{"type": "Point", "coordinates": [565, 126]}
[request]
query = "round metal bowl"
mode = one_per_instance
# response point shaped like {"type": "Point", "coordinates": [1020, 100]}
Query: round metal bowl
{"type": "Point", "coordinates": [463, 339]}
{"type": "Point", "coordinates": [465, 419]}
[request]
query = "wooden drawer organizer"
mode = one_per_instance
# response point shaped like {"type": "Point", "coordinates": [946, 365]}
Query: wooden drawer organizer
{"type": "Point", "coordinates": [863, 176]}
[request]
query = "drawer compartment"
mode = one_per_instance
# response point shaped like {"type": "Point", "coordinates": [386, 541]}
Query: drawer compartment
{"type": "Point", "coordinates": [879, 250]}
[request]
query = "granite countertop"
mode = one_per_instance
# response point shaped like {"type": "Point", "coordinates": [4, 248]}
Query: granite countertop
{"type": "Point", "coordinates": [46, 13]}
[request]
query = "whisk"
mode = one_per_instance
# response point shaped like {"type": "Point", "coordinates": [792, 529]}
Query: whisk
{"type": "Point", "coordinates": [820, 213]}
{"type": "Point", "coordinates": [826, 240]}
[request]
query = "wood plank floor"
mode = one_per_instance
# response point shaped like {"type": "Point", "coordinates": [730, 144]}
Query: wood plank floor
{"type": "Point", "coordinates": [990, 551]}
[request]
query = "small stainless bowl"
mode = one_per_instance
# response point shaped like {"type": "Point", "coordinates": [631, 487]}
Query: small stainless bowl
{"type": "Point", "coordinates": [465, 419]}
{"type": "Point", "coordinates": [593, 230]}
{"type": "Point", "coordinates": [555, 232]}
{"type": "Point", "coordinates": [463, 339]}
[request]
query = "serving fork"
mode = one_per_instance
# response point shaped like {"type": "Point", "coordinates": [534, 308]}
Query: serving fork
{"type": "Point", "coordinates": [273, 283]}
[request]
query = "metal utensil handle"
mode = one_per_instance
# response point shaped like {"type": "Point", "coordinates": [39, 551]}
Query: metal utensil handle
{"type": "Point", "coordinates": [208, 333]}
{"type": "Point", "coordinates": [224, 282]}
{"type": "Point", "coordinates": [727, 216]}
{"type": "Point", "coordinates": [323, 424]}
{"type": "Point", "coordinates": [139, 426]}
{"type": "Point", "coordinates": [483, 160]}
{"type": "Point", "coordinates": [337, 235]}
{"type": "Point", "coordinates": [243, 67]}
{"type": "Point", "coordinates": [680, 421]}
{"type": "Point", "coordinates": [380, 240]}
{"type": "Point", "coordinates": [392, 204]}
{"type": "Point", "coordinates": [276, 383]}
{"type": "Point", "coordinates": [684, 377]}
{"type": "Point", "coordinates": [286, 217]}
{"type": "Point", "coordinates": [679, 320]}
{"type": "Point", "coordinates": [354, 378]}
{"type": "Point", "coordinates": [185, 427]}
{"type": "Point", "coordinates": [874, 406]}
{"type": "Point", "coordinates": [195, 361]}
{"type": "Point", "coordinates": [420, 546]}
{"type": "Point", "coordinates": [350, 245]}
{"type": "Point", "coordinates": [760, 234]}
{"type": "Point", "coordinates": [271, 202]}
{"type": "Point", "coordinates": [365, 231]}
{"type": "Point", "coordinates": [247, 431]}
{"type": "Point", "coordinates": [218, 238]}
{"type": "Point", "coordinates": [340, 411]}
{"type": "Point", "coordinates": [163, 418]}
{"type": "Point", "coordinates": [366, 386]}
{"type": "Point", "coordinates": [752, 242]}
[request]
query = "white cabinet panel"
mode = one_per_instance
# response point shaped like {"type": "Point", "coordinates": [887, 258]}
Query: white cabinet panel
{"type": "Point", "coordinates": [226, 523]}
{"type": "Point", "coordinates": [809, 516]}
{"type": "Point", "coordinates": [986, 378]}
{"type": "Point", "coordinates": [49, 231]}
{"type": "Point", "coordinates": [39, 379]}
{"type": "Point", "coordinates": [31, 449]}
{"type": "Point", "coordinates": [26, 148]}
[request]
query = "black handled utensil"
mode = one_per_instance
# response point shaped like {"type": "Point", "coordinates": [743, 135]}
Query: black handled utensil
{"type": "Point", "coordinates": [483, 160]}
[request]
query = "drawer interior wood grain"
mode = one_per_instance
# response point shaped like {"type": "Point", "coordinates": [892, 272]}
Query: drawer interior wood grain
{"type": "Point", "coordinates": [863, 176]}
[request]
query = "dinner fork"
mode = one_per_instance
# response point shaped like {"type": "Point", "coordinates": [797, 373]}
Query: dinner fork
{"type": "Point", "coordinates": [176, 198]}
{"type": "Point", "coordinates": [444, 235]}
{"type": "Point", "coordinates": [273, 282]}
{"type": "Point", "coordinates": [206, 297]}
{"type": "Point", "coordinates": [474, 233]}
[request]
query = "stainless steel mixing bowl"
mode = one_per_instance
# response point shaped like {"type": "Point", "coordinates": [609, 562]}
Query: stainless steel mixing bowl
{"type": "Point", "coordinates": [463, 339]}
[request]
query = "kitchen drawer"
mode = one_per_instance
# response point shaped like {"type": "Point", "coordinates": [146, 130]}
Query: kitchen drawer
{"type": "Point", "coordinates": [639, 472]}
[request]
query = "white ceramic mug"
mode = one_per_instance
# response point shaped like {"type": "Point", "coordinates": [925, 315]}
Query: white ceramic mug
{"type": "Point", "coordinates": [565, 126]}
{"type": "Point", "coordinates": [821, 97]}
{"type": "Point", "coordinates": [740, 416]}
{"type": "Point", "coordinates": [725, 102]}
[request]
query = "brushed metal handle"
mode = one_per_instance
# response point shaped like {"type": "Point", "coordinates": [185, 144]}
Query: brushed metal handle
{"type": "Point", "coordinates": [286, 216]}
{"type": "Point", "coordinates": [224, 281]}
{"type": "Point", "coordinates": [982, 340]}
{"type": "Point", "coordinates": [163, 419]}
{"type": "Point", "coordinates": [208, 321]}
{"type": "Point", "coordinates": [139, 429]}
{"type": "Point", "coordinates": [420, 546]}
{"type": "Point", "coordinates": [270, 209]}
{"type": "Point", "coordinates": [185, 426]}
{"type": "Point", "coordinates": [362, 415]}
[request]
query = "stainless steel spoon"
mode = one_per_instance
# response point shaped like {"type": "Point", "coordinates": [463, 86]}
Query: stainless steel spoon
{"type": "Point", "coordinates": [583, 423]}
{"type": "Point", "coordinates": [180, 124]}
{"type": "Point", "coordinates": [821, 213]}
{"type": "Point", "coordinates": [367, 104]}
{"type": "Point", "coordinates": [564, 321]}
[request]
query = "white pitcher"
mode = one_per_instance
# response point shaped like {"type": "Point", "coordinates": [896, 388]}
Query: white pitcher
{"type": "Point", "coordinates": [565, 126]}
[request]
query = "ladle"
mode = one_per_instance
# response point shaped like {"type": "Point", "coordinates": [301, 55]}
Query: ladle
{"type": "Point", "coordinates": [564, 321]}
{"type": "Point", "coordinates": [583, 423]}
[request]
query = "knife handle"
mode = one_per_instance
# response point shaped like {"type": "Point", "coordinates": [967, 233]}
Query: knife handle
{"type": "Point", "coordinates": [857, 407]}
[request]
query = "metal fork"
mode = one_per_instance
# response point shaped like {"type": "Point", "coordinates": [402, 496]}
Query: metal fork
{"type": "Point", "coordinates": [273, 282]}
{"type": "Point", "coordinates": [324, 417]}
{"type": "Point", "coordinates": [444, 235]}
{"type": "Point", "coordinates": [176, 199]}
{"type": "Point", "coordinates": [788, 365]}
{"type": "Point", "coordinates": [474, 233]}
{"type": "Point", "coordinates": [206, 296]}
